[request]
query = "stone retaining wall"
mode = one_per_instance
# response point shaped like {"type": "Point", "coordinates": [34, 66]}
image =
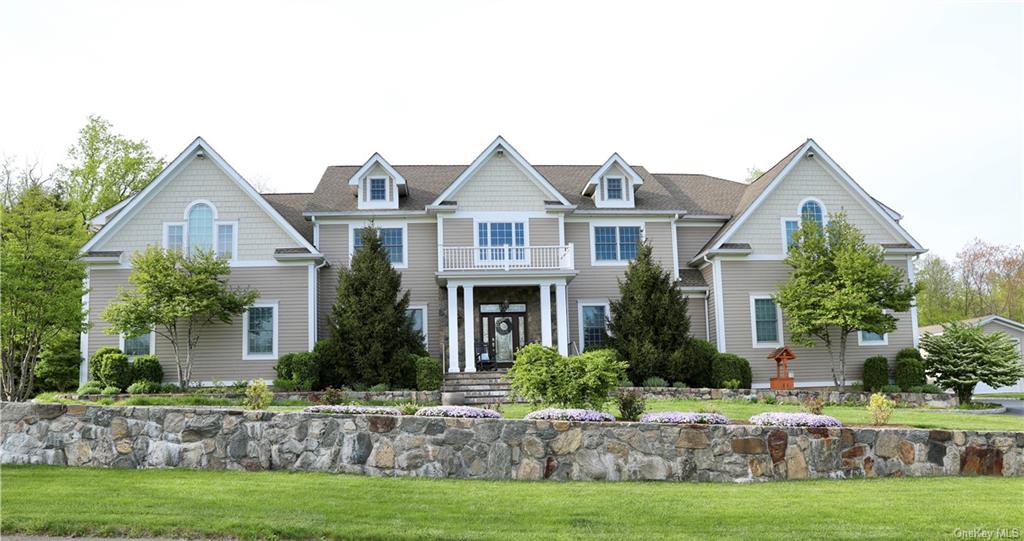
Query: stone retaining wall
{"type": "Point", "coordinates": [157, 437]}
{"type": "Point", "coordinates": [312, 396]}
{"type": "Point", "coordinates": [796, 396]}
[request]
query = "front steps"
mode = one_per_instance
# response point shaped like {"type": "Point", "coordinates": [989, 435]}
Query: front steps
{"type": "Point", "coordinates": [479, 388]}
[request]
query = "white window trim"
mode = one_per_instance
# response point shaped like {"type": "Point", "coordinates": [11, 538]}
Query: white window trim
{"type": "Point", "coordinates": [753, 323]}
{"type": "Point", "coordinates": [579, 317]}
{"type": "Point", "coordinates": [824, 210]}
{"type": "Point", "coordinates": [594, 262]}
{"type": "Point", "coordinates": [152, 344]}
{"type": "Point", "coordinates": [166, 237]}
{"type": "Point", "coordinates": [861, 342]}
{"type": "Point", "coordinates": [622, 186]}
{"type": "Point", "coordinates": [783, 221]}
{"type": "Point", "coordinates": [512, 219]}
{"type": "Point", "coordinates": [381, 225]}
{"type": "Point", "coordinates": [246, 356]}
{"type": "Point", "coordinates": [369, 189]}
{"type": "Point", "coordinates": [426, 330]}
{"type": "Point", "coordinates": [365, 185]}
{"type": "Point", "coordinates": [234, 238]}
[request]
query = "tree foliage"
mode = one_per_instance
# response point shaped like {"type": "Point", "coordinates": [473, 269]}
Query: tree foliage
{"type": "Point", "coordinates": [649, 322]}
{"type": "Point", "coordinates": [177, 297]}
{"type": "Point", "coordinates": [840, 285]}
{"type": "Point", "coordinates": [104, 168]}
{"type": "Point", "coordinates": [965, 355]}
{"type": "Point", "coordinates": [983, 279]}
{"type": "Point", "coordinates": [371, 335]}
{"type": "Point", "coordinates": [41, 279]}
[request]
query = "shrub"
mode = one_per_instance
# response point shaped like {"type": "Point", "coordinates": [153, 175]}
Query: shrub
{"type": "Point", "coordinates": [144, 387]}
{"type": "Point", "coordinates": [889, 389]}
{"type": "Point", "coordinates": [109, 390]}
{"type": "Point", "coordinates": [679, 385]}
{"type": "Point", "coordinates": [257, 396]}
{"type": "Point", "coordinates": [655, 382]}
{"type": "Point", "coordinates": [880, 408]}
{"type": "Point", "coordinates": [169, 388]}
{"type": "Point", "coordinates": [354, 410]}
{"type": "Point", "coordinates": [696, 365]}
{"type": "Point", "coordinates": [285, 385]}
{"type": "Point", "coordinates": [429, 373]}
{"type": "Point", "coordinates": [909, 353]}
{"type": "Point", "coordinates": [379, 388]}
{"type": "Point", "coordinates": [115, 370]}
{"type": "Point", "coordinates": [457, 411]}
{"type": "Point", "coordinates": [631, 402]}
{"type": "Point", "coordinates": [571, 414]}
{"type": "Point", "coordinates": [409, 408]}
{"type": "Point", "coordinates": [96, 360]}
{"type": "Point", "coordinates": [147, 368]}
{"type": "Point", "coordinates": [58, 365]}
{"type": "Point", "coordinates": [856, 386]}
{"type": "Point", "coordinates": [332, 396]}
{"type": "Point", "coordinates": [685, 418]}
{"type": "Point", "coordinates": [729, 367]}
{"type": "Point", "coordinates": [91, 387]}
{"type": "Point", "coordinates": [794, 420]}
{"type": "Point", "coordinates": [540, 374]}
{"type": "Point", "coordinates": [931, 388]}
{"type": "Point", "coordinates": [302, 369]}
{"type": "Point", "coordinates": [876, 373]}
{"type": "Point", "coordinates": [812, 404]}
{"type": "Point", "coordinates": [909, 372]}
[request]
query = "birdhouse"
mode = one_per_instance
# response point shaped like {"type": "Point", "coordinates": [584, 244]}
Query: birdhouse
{"type": "Point", "coordinates": [782, 380]}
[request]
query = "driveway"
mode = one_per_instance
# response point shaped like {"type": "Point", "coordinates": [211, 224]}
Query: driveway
{"type": "Point", "coordinates": [1014, 406]}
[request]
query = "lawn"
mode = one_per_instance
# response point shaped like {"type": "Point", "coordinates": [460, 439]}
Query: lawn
{"type": "Point", "coordinates": [1016, 396]}
{"type": "Point", "coordinates": [741, 410]}
{"type": "Point", "coordinates": [189, 503]}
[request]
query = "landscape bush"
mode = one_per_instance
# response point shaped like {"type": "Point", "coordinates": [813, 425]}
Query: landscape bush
{"type": "Point", "coordinates": [876, 373]}
{"type": "Point", "coordinates": [729, 367]}
{"type": "Point", "coordinates": [332, 396]}
{"type": "Point", "coordinates": [880, 408]}
{"type": "Point", "coordinates": [655, 381]}
{"type": "Point", "coordinates": [147, 368]}
{"type": "Point", "coordinates": [694, 364]}
{"type": "Point", "coordinates": [631, 403]}
{"type": "Point", "coordinates": [931, 388]}
{"type": "Point", "coordinates": [909, 369]}
{"type": "Point", "coordinates": [110, 390]}
{"type": "Point", "coordinates": [257, 396]}
{"type": "Point", "coordinates": [889, 389]}
{"type": "Point", "coordinates": [813, 404]}
{"type": "Point", "coordinates": [540, 374]}
{"type": "Point", "coordinates": [379, 388]}
{"type": "Point", "coordinates": [113, 368]}
{"type": "Point", "coordinates": [429, 374]}
{"type": "Point", "coordinates": [298, 371]}
{"type": "Point", "coordinates": [144, 387]}
{"type": "Point", "coordinates": [679, 385]}
{"type": "Point", "coordinates": [58, 365]}
{"type": "Point", "coordinates": [91, 387]}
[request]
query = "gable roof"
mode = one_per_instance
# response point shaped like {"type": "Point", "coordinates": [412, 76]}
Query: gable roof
{"type": "Point", "coordinates": [614, 159]}
{"type": "Point", "coordinates": [291, 207]}
{"type": "Point", "coordinates": [193, 149]}
{"type": "Point", "coordinates": [979, 322]}
{"type": "Point", "coordinates": [377, 159]}
{"type": "Point", "coordinates": [516, 157]}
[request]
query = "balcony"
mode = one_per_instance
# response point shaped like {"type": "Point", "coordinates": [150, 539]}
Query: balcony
{"type": "Point", "coordinates": [505, 258]}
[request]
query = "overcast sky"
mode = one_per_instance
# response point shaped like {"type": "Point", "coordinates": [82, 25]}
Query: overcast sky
{"type": "Point", "coordinates": [920, 103]}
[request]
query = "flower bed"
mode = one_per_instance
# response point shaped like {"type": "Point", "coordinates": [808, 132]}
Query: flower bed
{"type": "Point", "coordinates": [458, 411]}
{"type": "Point", "coordinates": [354, 410]}
{"type": "Point", "coordinates": [685, 418]}
{"type": "Point", "coordinates": [795, 420]}
{"type": "Point", "coordinates": [555, 414]}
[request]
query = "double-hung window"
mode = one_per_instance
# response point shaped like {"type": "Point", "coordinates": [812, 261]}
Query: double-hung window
{"type": "Point", "coordinates": [494, 237]}
{"type": "Point", "coordinates": [133, 346]}
{"type": "Point", "coordinates": [791, 226]}
{"type": "Point", "coordinates": [418, 316]}
{"type": "Point", "coordinates": [378, 189]}
{"type": "Point", "coordinates": [391, 237]}
{"type": "Point", "coordinates": [614, 188]}
{"type": "Point", "coordinates": [616, 243]}
{"type": "Point", "coordinates": [226, 241]}
{"type": "Point", "coordinates": [594, 325]}
{"type": "Point", "coordinates": [260, 331]}
{"type": "Point", "coordinates": [174, 237]}
{"type": "Point", "coordinates": [765, 321]}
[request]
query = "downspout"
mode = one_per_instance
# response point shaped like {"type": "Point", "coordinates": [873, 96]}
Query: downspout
{"type": "Point", "coordinates": [707, 317]}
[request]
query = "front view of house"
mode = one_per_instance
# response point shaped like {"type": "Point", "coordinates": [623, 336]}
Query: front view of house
{"type": "Point", "coordinates": [495, 254]}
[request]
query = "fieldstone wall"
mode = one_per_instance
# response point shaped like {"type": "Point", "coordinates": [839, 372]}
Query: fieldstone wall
{"type": "Point", "coordinates": [158, 437]}
{"type": "Point", "coordinates": [312, 396]}
{"type": "Point", "coordinates": [796, 396]}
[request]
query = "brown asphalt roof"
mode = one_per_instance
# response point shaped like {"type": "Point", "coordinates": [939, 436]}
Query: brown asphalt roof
{"type": "Point", "coordinates": [291, 206]}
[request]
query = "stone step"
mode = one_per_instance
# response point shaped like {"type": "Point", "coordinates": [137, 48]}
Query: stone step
{"type": "Point", "coordinates": [475, 388]}
{"type": "Point", "coordinates": [486, 393]}
{"type": "Point", "coordinates": [476, 384]}
{"type": "Point", "coordinates": [476, 375]}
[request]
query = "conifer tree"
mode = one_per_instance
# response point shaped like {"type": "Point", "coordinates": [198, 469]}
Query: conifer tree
{"type": "Point", "coordinates": [371, 336]}
{"type": "Point", "coordinates": [648, 323]}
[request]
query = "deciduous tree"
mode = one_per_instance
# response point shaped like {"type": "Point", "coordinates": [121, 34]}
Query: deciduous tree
{"type": "Point", "coordinates": [964, 355]}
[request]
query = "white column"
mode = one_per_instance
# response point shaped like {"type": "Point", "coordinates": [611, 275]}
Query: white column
{"type": "Point", "coordinates": [562, 309]}
{"type": "Point", "coordinates": [467, 325]}
{"type": "Point", "coordinates": [545, 315]}
{"type": "Point", "coordinates": [453, 328]}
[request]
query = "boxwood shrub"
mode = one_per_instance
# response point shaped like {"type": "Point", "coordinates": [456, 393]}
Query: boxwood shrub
{"type": "Point", "coordinates": [147, 368]}
{"type": "Point", "coordinates": [909, 372]}
{"type": "Point", "coordinates": [729, 367]}
{"type": "Point", "coordinates": [113, 368]}
{"type": "Point", "coordinates": [876, 373]}
{"type": "Point", "coordinates": [429, 374]}
{"type": "Point", "coordinates": [299, 371]}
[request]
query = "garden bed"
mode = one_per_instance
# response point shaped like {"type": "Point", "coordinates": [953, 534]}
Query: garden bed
{"type": "Point", "coordinates": [309, 396]}
{"type": "Point", "coordinates": [797, 396]}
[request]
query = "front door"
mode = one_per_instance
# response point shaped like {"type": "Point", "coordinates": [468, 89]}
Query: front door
{"type": "Point", "coordinates": [503, 329]}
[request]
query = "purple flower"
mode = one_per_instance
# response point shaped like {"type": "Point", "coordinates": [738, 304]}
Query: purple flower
{"type": "Point", "coordinates": [457, 411]}
{"type": "Point", "coordinates": [794, 420]}
{"type": "Point", "coordinates": [555, 414]}
{"type": "Point", "coordinates": [685, 418]}
{"type": "Point", "coordinates": [354, 410]}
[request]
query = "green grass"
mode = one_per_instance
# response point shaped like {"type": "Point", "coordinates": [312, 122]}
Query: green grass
{"type": "Point", "coordinates": [188, 503]}
{"type": "Point", "coordinates": [1017, 396]}
{"type": "Point", "coordinates": [741, 410]}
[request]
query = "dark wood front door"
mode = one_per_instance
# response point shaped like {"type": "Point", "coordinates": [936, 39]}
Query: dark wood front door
{"type": "Point", "coordinates": [504, 333]}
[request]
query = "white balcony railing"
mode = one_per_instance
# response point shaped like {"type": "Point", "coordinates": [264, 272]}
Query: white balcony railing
{"type": "Point", "coordinates": [505, 258]}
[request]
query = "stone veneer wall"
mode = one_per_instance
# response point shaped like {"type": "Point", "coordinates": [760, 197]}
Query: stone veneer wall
{"type": "Point", "coordinates": [796, 396]}
{"type": "Point", "coordinates": [312, 396]}
{"type": "Point", "coordinates": [156, 437]}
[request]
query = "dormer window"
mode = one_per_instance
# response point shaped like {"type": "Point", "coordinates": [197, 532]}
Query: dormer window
{"type": "Point", "coordinates": [614, 188]}
{"type": "Point", "coordinates": [378, 189]}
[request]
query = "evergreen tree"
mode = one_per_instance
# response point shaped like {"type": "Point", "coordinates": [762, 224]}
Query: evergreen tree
{"type": "Point", "coordinates": [648, 323]}
{"type": "Point", "coordinates": [371, 338]}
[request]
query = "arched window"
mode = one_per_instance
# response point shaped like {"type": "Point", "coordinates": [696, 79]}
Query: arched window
{"type": "Point", "coordinates": [811, 211]}
{"type": "Point", "coordinates": [200, 228]}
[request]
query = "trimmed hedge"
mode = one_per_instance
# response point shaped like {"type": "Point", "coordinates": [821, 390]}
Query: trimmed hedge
{"type": "Point", "coordinates": [429, 375]}
{"type": "Point", "coordinates": [693, 364]}
{"type": "Point", "coordinates": [876, 373]}
{"type": "Point", "coordinates": [730, 367]}
{"type": "Point", "coordinates": [299, 371]}
{"type": "Point", "coordinates": [909, 373]}
{"type": "Point", "coordinates": [112, 368]}
{"type": "Point", "coordinates": [147, 368]}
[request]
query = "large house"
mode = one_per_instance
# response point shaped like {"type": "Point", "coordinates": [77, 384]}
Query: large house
{"type": "Point", "coordinates": [495, 254]}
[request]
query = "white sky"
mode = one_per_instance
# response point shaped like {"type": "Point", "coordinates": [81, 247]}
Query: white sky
{"type": "Point", "coordinates": [923, 104]}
